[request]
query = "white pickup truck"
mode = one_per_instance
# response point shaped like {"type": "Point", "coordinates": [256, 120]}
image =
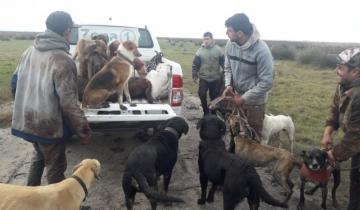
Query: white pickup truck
{"type": "Point", "coordinates": [143, 115]}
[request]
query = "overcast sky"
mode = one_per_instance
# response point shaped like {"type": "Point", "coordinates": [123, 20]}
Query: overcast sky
{"type": "Point", "coordinates": [301, 20]}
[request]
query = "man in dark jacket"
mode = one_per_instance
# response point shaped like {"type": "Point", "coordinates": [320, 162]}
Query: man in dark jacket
{"type": "Point", "coordinates": [46, 110]}
{"type": "Point", "coordinates": [345, 113]}
{"type": "Point", "coordinates": [206, 66]}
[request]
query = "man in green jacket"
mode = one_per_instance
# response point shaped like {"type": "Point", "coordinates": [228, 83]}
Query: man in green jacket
{"type": "Point", "coordinates": [345, 113]}
{"type": "Point", "coordinates": [206, 66]}
{"type": "Point", "coordinates": [46, 110]}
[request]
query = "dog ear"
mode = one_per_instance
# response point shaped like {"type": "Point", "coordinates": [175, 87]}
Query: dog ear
{"type": "Point", "coordinates": [186, 128]}
{"type": "Point", "coordinates": [199, 124]}
{"type": "Point", "coordinates": [76, 167]}
{"type": "Point", "coordinates": [95, 168]}
{"type": "Point", "coordinates": [303, 153]}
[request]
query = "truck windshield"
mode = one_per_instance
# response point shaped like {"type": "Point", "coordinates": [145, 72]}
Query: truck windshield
{"type": "Point", "coordinates": [140, 36]}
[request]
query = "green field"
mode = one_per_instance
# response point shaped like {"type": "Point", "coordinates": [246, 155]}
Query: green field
{"type": "Point", "coordinates": [301, 91]}
{"type": "Point", "coordinates": [10, 52]}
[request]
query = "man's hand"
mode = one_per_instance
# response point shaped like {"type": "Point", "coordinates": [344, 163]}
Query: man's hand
{"type": "Point", "coordinates": [228, 91]}
{"type": "Point", "coordinates": [239, 100]}
{"type": "Point", "coordinates": [195, 78]}
{"type": "Point", "coordinates": [330, 156]}
{"type": "Point", "coordinates": [326, 141]}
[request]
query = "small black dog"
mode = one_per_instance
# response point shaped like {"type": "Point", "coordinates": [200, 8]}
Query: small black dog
{"type": "Point", "coordinates": [316, 170]}
{"type": "Point", "coordinates": [154, 158]}
{"type": "Point", "coordinates": [239, 180]}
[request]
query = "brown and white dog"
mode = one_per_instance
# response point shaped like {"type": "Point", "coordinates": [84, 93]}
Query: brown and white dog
{"type": "Point", "coordinates": [91, 55]}
{"type": "Point", "coordinates": [65, 195]}
{"type": "Point", "coordinates": [113, 77]}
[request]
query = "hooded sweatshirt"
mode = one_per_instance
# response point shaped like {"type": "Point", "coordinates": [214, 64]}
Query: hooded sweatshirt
{"type": "Point", "coordinates": [46, 106]}
{"type": "Point", "coordinates": [249, 69]}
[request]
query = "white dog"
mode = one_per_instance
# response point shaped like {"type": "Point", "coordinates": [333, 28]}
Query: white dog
{"type": "Point", "coordinates": [274, 124]}
{"type": "Point", "coordinates": [159, 80]}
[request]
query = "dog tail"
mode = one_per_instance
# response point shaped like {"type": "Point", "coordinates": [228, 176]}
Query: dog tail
{"type": "Point", "coordinates": [152, 194]}
{"type": "Point", "coordinates": [257, 185]}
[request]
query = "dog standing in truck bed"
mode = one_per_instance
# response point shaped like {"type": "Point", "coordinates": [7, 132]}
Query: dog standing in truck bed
{"type": "Point", "coordinates": [113, 77]}
{"type": "Point", "coordinates": [91, 55]}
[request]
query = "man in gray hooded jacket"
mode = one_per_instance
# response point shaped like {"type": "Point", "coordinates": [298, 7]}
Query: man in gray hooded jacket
{"type": "Point", "coordinates": [249, 70]}
{"type": "Point", "coordinates": [46, 110]}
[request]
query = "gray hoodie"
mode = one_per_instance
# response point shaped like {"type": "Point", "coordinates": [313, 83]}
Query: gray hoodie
{"type": "Point", "coordinates": [46, 99]}
{"type": "Point", "coordinates": [249, 69]}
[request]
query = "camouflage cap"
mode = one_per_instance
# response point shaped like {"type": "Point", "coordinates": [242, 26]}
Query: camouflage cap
{"type": "Point", "coordinates": [350, 57]}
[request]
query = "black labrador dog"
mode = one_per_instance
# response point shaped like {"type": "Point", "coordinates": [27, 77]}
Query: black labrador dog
{"type": "Point", "coordinates": [239, 179]}
{"type": "Point", "coordinates": [154, 158]}
{"type": "Point", "coordinates": [316, 169]}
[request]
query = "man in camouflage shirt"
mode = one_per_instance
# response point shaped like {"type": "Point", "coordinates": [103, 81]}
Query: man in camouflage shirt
{"type": "Point", "coordinates": [345, 113]}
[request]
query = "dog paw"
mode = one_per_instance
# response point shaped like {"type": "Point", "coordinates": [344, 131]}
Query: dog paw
{"type": "Point", "coordinates": [85, 208]}
{"type": "Point", "coordinates": [201, 201]}
{"type": "Point", "coordinates": [168, 204]}
{"type": "Point", "coordinates": [132, 104]}
{"type": "Point", "coordinates": [210, 199]}
{"type": "Point", "coordinates": [309, 192]}
{"type": "Point", "coordinates": [335, 204]}
{"type": "Point", "coordinates": [300, 207]}
{"type": "Point", "coordinates": [122, 107]}
{"type": "Point", "coordinates": [105, 105]}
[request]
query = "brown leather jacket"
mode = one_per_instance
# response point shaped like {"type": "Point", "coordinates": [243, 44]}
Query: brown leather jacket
{"type": "Point", "coordinates": [345, 113]}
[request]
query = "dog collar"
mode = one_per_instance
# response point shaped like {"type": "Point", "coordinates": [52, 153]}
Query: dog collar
{"type": "Point", "coordinates": [81, 182]}
{"type": "Point", "coordinates": [173, 131]}
{"type": "Point", "coordinates": [126, 58]}
{"type": "Point", "coordinates": [321, 175]}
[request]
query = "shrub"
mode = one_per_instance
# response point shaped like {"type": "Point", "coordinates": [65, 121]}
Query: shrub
{"type": "Point", "coordinates": [317, 57]}
{"type": "Point", "coordinates": [283, 52]}
{"type": "Point", "coordinates": [3, 38]}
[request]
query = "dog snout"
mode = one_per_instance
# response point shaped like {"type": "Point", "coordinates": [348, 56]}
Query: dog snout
{"type": "Point", "coordinates": [137, 53]}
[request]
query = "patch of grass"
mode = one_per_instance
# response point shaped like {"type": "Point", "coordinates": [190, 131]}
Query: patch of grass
{"type": "Point", "coordinates": [182, 52]}
{"type": "Point", "coordinates": [5, 118]}
{"type": "Point", "coordinates": [10, 52]}
{"type": "Point", "coordinates": [305, 95]}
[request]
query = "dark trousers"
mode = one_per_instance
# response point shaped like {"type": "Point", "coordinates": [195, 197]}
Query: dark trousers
{"type": "Point", "coordinates": [354, 201]}
{"type": "Point", "coordinates": [214, 91]}
{"type": "Point", "coordinates": [49, 156]}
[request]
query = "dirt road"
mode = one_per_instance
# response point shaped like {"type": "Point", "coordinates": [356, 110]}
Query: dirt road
{"type": "Point", "coordinates": [112, 152]}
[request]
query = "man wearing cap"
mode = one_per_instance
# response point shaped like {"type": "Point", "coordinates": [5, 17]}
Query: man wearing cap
{"type": "Point", "coordinates": [46, 110]}
{"type": "Point", "coordinates": [345, 113]}
{"type": "Point", "coordinates": [207, 65]}
{"type": "Point", "coordinates": [249, 70]}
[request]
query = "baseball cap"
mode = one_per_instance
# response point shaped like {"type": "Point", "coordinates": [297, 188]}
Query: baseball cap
{"type": "Point", "coordinates": [350, 57]}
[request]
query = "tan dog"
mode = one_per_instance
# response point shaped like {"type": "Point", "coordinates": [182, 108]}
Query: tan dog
{"type": "Point", "coordinates": [65, 195]}
{"type": "Point", "coordinates": [259, 155]}
{"type": "Point", "coordinates": [91, 55]}
{"type": "Point", "coordinates": [113, 77]}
